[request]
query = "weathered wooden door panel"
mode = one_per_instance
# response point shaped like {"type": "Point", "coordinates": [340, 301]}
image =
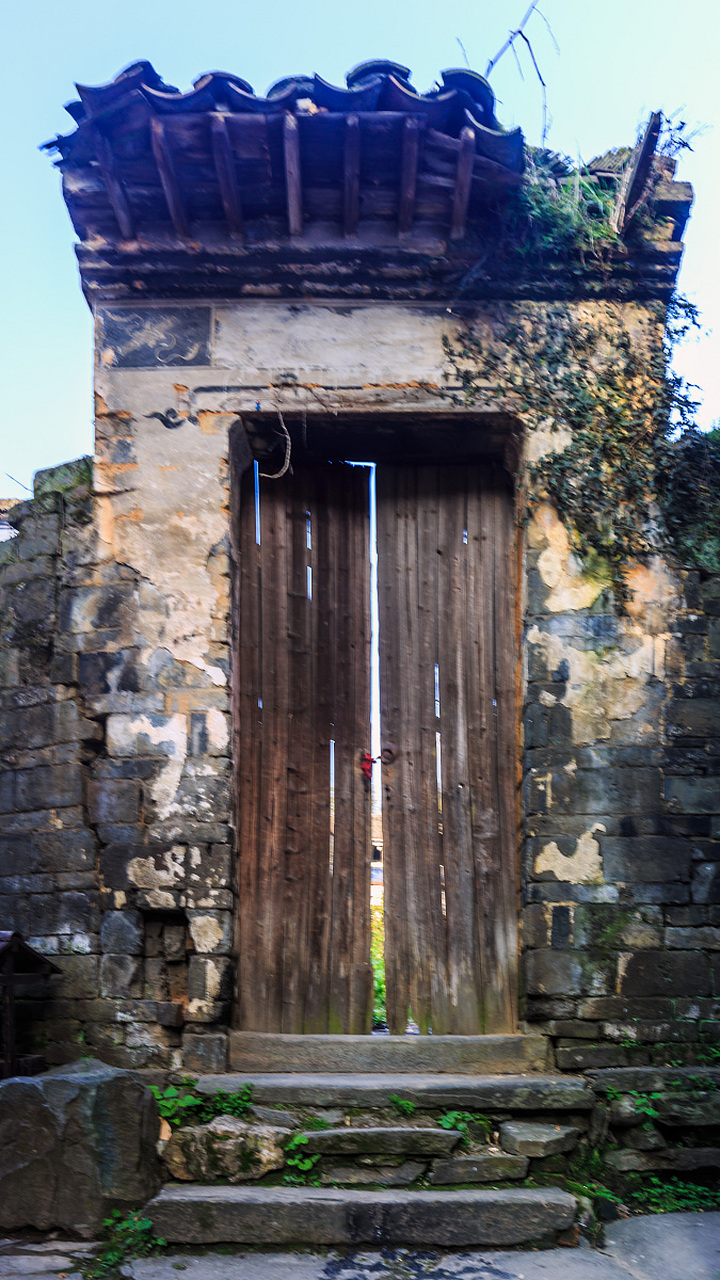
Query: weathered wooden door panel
{"type": "Point", "coordinates": [304, 710]}
{"type": "Point", "coordinates": [447, 675]}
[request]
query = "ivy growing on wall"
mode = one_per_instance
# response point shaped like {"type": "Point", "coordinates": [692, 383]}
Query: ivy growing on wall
{"type": "Point", "coordinates": [629, 473]}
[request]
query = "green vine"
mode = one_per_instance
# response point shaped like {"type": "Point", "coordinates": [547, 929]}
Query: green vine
{"type": "Point", "coordinates": [631, 474]}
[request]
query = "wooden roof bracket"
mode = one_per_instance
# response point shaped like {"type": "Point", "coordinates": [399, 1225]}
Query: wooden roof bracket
{"type": "Point", "coordinates": [164, 160]}
{"type": "Point", "coordinates": [293, 179]}
{"type": "Point", "coordinates": [463, 183]}
{"type": "Point", "coordinates": [351, 175]}
{"type": "Point", "coordinates": [226, 174]}
{"type": "Point", "coordinates": [408, 174]}
{"type": "Point", "coordinates": [113, 183]}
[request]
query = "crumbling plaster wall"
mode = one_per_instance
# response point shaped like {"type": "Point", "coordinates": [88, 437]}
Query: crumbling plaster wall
{"type": "Point", "coordinates": [618, 875]}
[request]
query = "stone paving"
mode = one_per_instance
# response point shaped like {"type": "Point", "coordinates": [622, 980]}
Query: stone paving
{"type": "Point", "coordinates": [673, 1246]}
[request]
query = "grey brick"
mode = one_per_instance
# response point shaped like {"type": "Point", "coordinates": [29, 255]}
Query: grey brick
{"type": "Point", "coordinates": [122, 933]}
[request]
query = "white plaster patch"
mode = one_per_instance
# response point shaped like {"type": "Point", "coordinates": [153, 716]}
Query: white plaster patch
{"type": "Point", "coordinates": [205, 932]}
{"type": "Point", "coordinates": [144, 735]}
{"type": "Point", "coordinates": [218, 729]}
{"type": "Point", "coordinates": [145, 874]}
{"type": "Point", "coordinates": [584, 866]}
{"type": "Point", "coordinates": [547, 699]}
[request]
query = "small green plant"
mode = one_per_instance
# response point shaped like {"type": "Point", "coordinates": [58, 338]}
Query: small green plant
{"type": "Point", "coordinates": [126, 1236]}
{"type": "Point", "coordinates": [465, 1122]}
{"type": "Point", "coordinates": [403, 1106]}
{"type": "Point", "coordinates": [317, 1122]}
{"type": "Point", "coordinates": [674, 1195]}
{"type": "Point", "coordinates": [180, 1107]}
{"type": "Point", "coordinates": [299, 1162]}
{"type": "Point", "coordinates": [644, 1103]}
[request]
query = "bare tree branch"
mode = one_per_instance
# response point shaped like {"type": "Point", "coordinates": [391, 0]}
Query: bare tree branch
{"type": "Point", "coordinates": [464, 54]}
{"type": "Point", "coordinates": [511, 38]}
{"type": "Point", "coordinates": [542, 84]}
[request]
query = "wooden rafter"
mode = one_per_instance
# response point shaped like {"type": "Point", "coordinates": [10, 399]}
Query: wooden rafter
{"type": "Point", "coordinates": [408, 174]}
{"type": "Point", "coordinates": [162, 152]}
{"type": "Point", "coordinates": [115, 189]}
{"type": "Point", "coordinates": [226, 173]}
{"type": "Point", "coordinates": [463, 182]}
{"type": "Point", "coordinates": [293, 179]}
{"type": "Point", "coordinates": [351, 171]}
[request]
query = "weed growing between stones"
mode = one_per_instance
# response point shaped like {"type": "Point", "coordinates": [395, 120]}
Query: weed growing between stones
{"type": "Point", "coordinates": [187, 1106]}
{"type": "Point", "coordinates": [671, 1195]}
{"type": "Point", "coordinates": [127, 1236]}
{"type": "Point", "coordinates": [299, 1162]}
{"type": "Point", "coordinates": [402, 1106]}
{"type": "Point", "coordinates": [468, 1123]}
{"type": "Point", "coordinates": [632, 475]}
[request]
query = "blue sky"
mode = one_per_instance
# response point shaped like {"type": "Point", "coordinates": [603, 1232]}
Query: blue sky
{"type": "Point", "coordinates": [618, 60]}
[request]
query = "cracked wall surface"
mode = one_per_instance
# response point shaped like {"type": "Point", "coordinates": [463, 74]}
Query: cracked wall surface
{"type": "Point", "coordinates": [117, 847]}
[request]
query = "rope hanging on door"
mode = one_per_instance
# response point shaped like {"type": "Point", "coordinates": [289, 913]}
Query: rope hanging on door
{"type": "Point", "coordinates": [288, 446]}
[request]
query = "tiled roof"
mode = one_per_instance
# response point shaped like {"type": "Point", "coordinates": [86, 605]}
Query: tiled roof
{"type": "Point", "coordinates": [145, 157]}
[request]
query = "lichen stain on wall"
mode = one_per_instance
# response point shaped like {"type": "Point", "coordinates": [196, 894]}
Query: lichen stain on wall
{"type": "Point", "coordinates": [180, 518]}
{"type": "Point", "coordinates": [610, 681]}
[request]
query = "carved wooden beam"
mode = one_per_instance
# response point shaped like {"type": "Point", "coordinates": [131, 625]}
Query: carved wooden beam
{"type": "Point", "coordinates": [226, 173]}
{"type": "Point", "coordinates": [352, 174]}
{"type": "Point", "coordinates": [162, 152]}
{"type": "Point", "coordinates": [463, 181]}
{"type": "Point", "coordinates": [293, 179]}
{"type": "Point", "coordinates": [115, 189]}
{"type": "Point", "coordinates": [408, 174]}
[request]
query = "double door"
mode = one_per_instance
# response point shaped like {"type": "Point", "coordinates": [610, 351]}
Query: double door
{"type": "Point", "coordinates": [444, 629]}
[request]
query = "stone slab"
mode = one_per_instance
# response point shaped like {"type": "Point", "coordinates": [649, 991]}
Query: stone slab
{"type": "Point", "coordinates": [672, 1159]}
{"type": "Point", "coordinates": [486, 1167]}
{"type": "Point", "coordinates": [674, 1246]}
{"type": "Point", "coordinates": [369, 1264]}
{"type": "Point", "coordinates": [525, 1139]}
{"type": "Point", "coordinates": [358, 1175]}
{"type": "Point", "coordinates": [396, 1140]}
{"type": "Point", "coordinates": [465, 1093]}
{"type": "Point", "coordinates": [650, 1079]}
{"type": "Point", "coordinates": [258, 1051]}
{"type": "Point", "coordinates": [312, 1215]}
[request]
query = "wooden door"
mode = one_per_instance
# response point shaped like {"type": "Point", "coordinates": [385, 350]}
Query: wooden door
{"type": "Point", "coordinates": [447, 692]}
{"type": "Point", "coordinates": [303, 710]}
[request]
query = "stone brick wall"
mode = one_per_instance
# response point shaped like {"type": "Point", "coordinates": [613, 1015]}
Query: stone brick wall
{"type": "Point", "coordinates": [621, 865]}
{"type": "Point", "coordinates": [116, 844]}
{"type": "Point", "coordinates": [115, 852]}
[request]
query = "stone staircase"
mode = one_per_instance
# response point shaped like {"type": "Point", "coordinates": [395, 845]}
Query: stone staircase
{"type": "Point", "coordinates": [386, 1162]}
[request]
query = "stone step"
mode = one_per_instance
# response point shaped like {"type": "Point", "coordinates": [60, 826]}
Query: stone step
{"type": "Point", "coordinates": [259, 1051]}
{"type": "Point", "coordinates": [467, 1093]}
{"type": "Point", "coordinates": [397, 1140]}
{"type": "Point", "coordinates": [191, 1214]}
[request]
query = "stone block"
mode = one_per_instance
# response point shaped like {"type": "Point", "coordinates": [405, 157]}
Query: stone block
{"type": "Point", "coordinates": [535, 926]}
{"type": "Point", "coordinates": [644, 1139]}
{"type": "Point", "coordinates": [83, 1142]}
{"type": "Point", "coordinates": [208, 1055]}
{"type": "Point", "coordinates": [174, 942]}
{"type": "Point", "coordinates": [705, 887]}
{"type": "Point", "coordinates": [309, 1215]}
{"type": "Point", "coordinates": [226, 1150]}
{"type": "Point", "coordinates": [80, 977]}
{"type": "Point", "coordinates": [396, 1140]}
{"type": "Point", "coordinates": [675, 973]}
{"type": "Point", "coordinates": [114, 801]}
{"type": "Point", "coordinates": [702, 938]}
{"type": "Point", "coordinates": [121, 976]}
{"type": "Point", "coordinates": [552, 973]}
{"type": "Point", "coordinates": [646, 858]}
{"type": "Point", "coordinates": [690, 1110]}
{"type": "Point", "coordinates": [122, 933]}
{"type": "Point", "coordinates": [48, 787]}
{"type": "Point", "coordinates": [523, 1138]}
{"type": "Point", "coordinates": [358, 1175]}
{"type": "Point", "coordinates": [692, 795]}
{"type": "Point", "coordinates": [670, 1160]}
{"type": "Point", "coordinates": [488, 1166]}
{"type": "Point", "coordinates": [694, 717]}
